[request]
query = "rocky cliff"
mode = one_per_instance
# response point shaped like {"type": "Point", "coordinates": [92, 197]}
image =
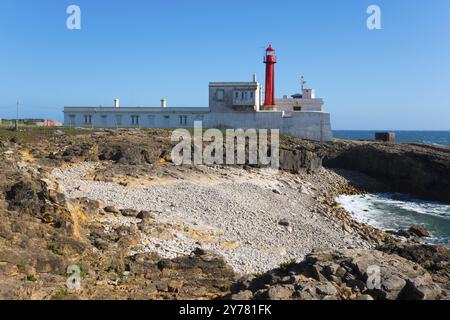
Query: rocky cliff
{"type": "Point", "coordinates": [420, 170]}
{"type": "Point", "coordinates": [42, 232]}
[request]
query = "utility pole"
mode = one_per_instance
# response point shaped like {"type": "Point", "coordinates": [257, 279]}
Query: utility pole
{"type": "Point", "coordinates": [16, 126]}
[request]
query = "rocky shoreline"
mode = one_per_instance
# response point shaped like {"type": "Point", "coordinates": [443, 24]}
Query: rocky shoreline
{"type": "Point", "coordinates": [141, 228]}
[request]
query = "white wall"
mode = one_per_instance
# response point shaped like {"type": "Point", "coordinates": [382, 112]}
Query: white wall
{"type": "Point", "coordinates": [306, 104]}
{"type": "Point", "coordinates": [307, 125]}
{"type": "Point", "coordinates": [122, 118]}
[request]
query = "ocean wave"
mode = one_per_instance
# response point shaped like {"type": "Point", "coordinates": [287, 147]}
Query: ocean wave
{"type": "Point", "coordinates": [395, 211]}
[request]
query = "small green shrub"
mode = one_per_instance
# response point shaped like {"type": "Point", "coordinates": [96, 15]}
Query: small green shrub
{"type": "Point", "coordinates": [55, 249]}
{"type": "Point", "coordinates": [31, 278]}
{"type": "Point", "coordinates": [61, 294]}
{"type": "Point", "coordinates": [285, 266]}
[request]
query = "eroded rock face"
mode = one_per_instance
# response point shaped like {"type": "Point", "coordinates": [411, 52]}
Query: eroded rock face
{"type": "Point", "coordinates": [35, 255]}
{"type": "Point", "coordinates": [85, 150]}
{"type": "Point", "coordinates": [435, 259]}
{"type": "Point", "coordinates": [128, 154]}
{"type": "Point", "coordinates": [346, 274]}
{"type": "Point", "coordinates": [295, 160]}
{"type": "Point", "coordinates": [199, 275]}
{"type": "Point", "coordinates": [24, 196]}
{"type": "Point", "coordinates": [423, 171]}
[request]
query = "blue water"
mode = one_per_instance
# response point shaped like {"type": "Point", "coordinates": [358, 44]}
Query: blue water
{"type": "Point", "coordinates": [441, 138]}
{"type": "Point", "coordinates": [399, 211]}
{"type": "Point", "coordinates": [395, 211]}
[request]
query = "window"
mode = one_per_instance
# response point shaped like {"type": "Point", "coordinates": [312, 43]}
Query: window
{"type": "Point", "coordinates": [71, 120]}
{"type": "Point", "coordinates": [87, 119]}
{"type": "Point", "coordinates": [251, 95]}
{"type": "Point", "coordinates": [246, 95]}
{"type": "Point", "coordinates": [242, 95]}
{"type": "Point", "coordinates": [220, 94]}
{"type": "Point", "coordinates": [183, 120]}
{"type": "Point", "coordinates": [297, 108]}
{"type": "Point", "coordinates": [236, 95]}
{"type": "Point", "coordinates": [166, 121]}
{"type": "Point", "coordinates": [104, 121]}
{"type": "Point", "coordinates": [118, 120]}
{"type": "Point", "coordinates": [135, 120]}
{"type": "Point", "coordinates": [151, 121]}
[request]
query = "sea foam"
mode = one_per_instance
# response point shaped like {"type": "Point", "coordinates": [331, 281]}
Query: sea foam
{"type": "Point", "coordinates": [395, 211]}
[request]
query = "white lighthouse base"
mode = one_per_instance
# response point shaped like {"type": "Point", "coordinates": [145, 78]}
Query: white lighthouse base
{"type": "Point", "coordinates": [306, 125]}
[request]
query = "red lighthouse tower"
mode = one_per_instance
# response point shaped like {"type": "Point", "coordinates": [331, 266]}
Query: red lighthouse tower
{"type": "Point", "coordinates": [270, 59]}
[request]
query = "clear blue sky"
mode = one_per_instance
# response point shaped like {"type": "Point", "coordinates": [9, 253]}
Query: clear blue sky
{"type": "Point", "coordinates": [142, 50]}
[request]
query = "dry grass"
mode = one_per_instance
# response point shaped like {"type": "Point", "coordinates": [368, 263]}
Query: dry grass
{"type": "Point", "coordinates": [30, 134]}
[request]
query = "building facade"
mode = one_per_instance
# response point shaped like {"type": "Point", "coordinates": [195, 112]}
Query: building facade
{"type": "Point", "coordinates": [234, 105]}
{"type": "Point", "coordinates": [139, 117]}
{"type": "Point", "coordinates": [231, 105]}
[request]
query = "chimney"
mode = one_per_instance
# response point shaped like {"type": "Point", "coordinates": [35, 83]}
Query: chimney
{"type": "Point", "coordinates": [163, 103]}
{"type": "Point", "coordinates": [116, 103]}
{"type": "Point", "coordinates": [254, 78]}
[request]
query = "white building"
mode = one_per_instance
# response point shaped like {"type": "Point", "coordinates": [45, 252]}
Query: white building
{"type": "Point", "coordinates": [231, 105]}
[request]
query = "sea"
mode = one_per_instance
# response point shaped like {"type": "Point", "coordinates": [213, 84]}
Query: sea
{"type": "Point", "coordinates": [396, 211]}
{"type": "Point", "coordinates": [437, 138]}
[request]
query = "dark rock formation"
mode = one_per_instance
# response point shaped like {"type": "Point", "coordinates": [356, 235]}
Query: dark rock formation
{"type": "Point", "coordinates": [125, 153]}
{"type": "Point", "coordinates": [419, 231]}
{"type": "Point", "coordinates": [344, 274]}
{"type": "Point", "coordinates": [420, 170]}
{"type": "Point", "coordinates": [25, 196]}
{"type": "Point", "coordinates": [295, 160]}
{"type": "Point", "coordinates": [435, 259]}
{"type": "Point", "coordinates": [86, 151]}
{"type": "Point", "coordinates": [423, 171]}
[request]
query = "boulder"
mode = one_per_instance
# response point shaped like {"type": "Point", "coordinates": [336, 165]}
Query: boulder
{"type": "Point", "coordinates": [129, 213]}
{"type": "Point", "coordinates": [129, 154]}
{"type": "Point", "coordinates": [419, 231]}
{"type": "Point", "coordinates": [24, 196]}
{"type": "Point", "coordinates": [146, 215]}
{"type": "Point", "coordinates": [326, 289]}
{"type": "Point", "coordinates": [84, 150]}
{"type": "Point", "coordinates": [280, 292]}
{"type": "Point", "coordinates": [111, 209]}
{"type": "Point", "coordinates": [14, 140]}
{"type": "Point", "coordinates": [276, 191]}
{"type": "Point", "coordinates": [284, 222]}
{"type": "Point", "coordinates": [435, 259]}
{"type": "Point", "coordinates": [420, 288]}
{"type": "Point", "coordinates": [346, 274]}
{"type": "Point", "coordinates": [243, 295]}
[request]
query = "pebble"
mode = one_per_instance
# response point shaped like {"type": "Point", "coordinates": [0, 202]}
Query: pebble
{"type": "Point", "coordinates": [241, 205]}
